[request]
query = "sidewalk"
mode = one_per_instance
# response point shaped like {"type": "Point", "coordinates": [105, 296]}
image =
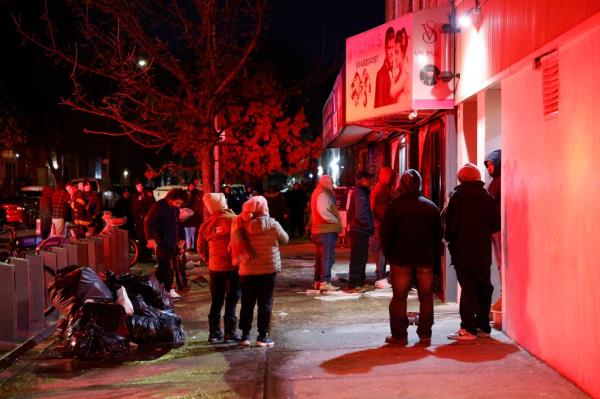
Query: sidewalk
{"type": "Point", "coordinates": [323, 348]}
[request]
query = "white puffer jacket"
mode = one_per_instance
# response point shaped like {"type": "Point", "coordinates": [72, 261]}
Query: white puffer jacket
{"type": "Point", "coordinates": [265, 234]}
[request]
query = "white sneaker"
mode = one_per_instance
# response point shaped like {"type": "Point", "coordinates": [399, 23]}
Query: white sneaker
{"type": "Point", "coordinates": [173, 294]}
{"type": "Point", "coordinates": [324, 286]}
{"type": "Point", "coordinates": [382, 284]}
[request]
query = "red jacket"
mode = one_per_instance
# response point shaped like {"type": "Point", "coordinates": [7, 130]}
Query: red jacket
{"type": "Point", "coordinates": [213, 241]}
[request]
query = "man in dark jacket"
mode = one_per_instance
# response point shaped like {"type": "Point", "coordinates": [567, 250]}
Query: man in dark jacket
{"type": "Point", "coordinates": [411, 234]}
{"type": "Point", "coordinates": [296, 200]}
{"type": "Point", "coordinates": [165, 234]}
{"type": "Point", "coordinates": [360, 220]}
{"type": "Point", "coordinates": [493, 164]}
{"type": "Point", "coordinates": [141, 202]}
{"type": "Point", "coordinates": [471, 219]}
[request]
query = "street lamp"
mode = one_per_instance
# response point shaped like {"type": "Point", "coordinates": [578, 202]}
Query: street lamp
{"type": "Point", "coordinates": [142, 63]}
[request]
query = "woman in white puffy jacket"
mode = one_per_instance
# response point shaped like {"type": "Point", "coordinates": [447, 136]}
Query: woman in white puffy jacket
{"type": "Point", "coordinates": [255, 240]}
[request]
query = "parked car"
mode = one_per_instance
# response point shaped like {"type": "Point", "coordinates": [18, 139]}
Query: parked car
{"type": "Point", "coordinates": [23, 208]}
{"type": "Point", "coordinates": [103, 187]}
{"type": "Point", "coordinates": [161, 192]}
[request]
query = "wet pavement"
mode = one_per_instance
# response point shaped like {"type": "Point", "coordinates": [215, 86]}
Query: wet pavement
{"type": "Point", "coordinates": [330, 347]}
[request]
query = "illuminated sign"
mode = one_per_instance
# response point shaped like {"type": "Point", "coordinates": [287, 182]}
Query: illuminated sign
{"type": "Point", "coordinates": [395, 67]}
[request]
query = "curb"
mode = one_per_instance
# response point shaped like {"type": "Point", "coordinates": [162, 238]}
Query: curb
{"type": "Point", "coordinates": [9, 358]}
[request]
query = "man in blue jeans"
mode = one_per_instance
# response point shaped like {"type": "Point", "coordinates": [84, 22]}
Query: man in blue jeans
{"type": "Point", "coordinates": [324, 226]}
{"type": "Point", "coordinates": [411, 235]}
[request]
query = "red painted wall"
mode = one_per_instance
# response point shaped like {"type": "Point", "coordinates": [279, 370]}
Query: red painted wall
{"type": "Point", "coordinates": [551, 213]}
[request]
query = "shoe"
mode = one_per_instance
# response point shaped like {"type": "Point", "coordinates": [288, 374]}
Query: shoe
{"type": "Point", "coordinates": [231, 338]}
{"type": "Point", "coordinates": [390, 339]}
{"type": "Point", "coordinates": [425, 341]}
{"type": "Point", "coordinates": [173, 294]}
{"type": "Point", "coordinates": [482, 334]}
{"type": "Point", "coordinates": [215, 336]}
{"type": "Point", "coordinates": [325, 286]}
{"type": "Point", "coordinates": [245, 341]}
{"type": "Point", "coordinates": [317, 285]}
{"type": "Point", "coordinates": [382, 284]}
{"type": "Point", "coordinates": [462, 335]}
{"type": "Point", "coordinates": [264, 341]}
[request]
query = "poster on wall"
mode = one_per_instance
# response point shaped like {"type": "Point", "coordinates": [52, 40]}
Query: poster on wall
{"type": "Point", "coordinates": [333, 111]}
{"type": "Point", "coordinates": [378, 71]}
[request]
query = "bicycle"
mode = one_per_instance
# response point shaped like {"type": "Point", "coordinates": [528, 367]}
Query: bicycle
{"type": "Point", "coordinates": [114, 223]}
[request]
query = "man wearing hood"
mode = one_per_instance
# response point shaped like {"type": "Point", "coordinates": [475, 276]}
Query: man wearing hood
{"type": "Point", "coordinates": [360, 220]}
{"type": "Point", "coordinates": [471, 219]}
{"type": "Point", "coordinates": [213, 248]}
{"type": "Point", "coordinates": [411, 233]}
{"type": "Point", "coordinates": [380, 198]}
{"type": "Point", "coordinates": [324, 226]}
{"type": "Point", "coordinates": [493, 164]}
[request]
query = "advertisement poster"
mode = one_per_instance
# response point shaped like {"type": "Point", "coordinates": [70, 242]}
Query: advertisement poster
{"type": "Point", "coordinates": [333, 111]}
{"type": "Point", "coordinates": [378, 71]}
{"type": "Point", "coordinates": [429, 91]}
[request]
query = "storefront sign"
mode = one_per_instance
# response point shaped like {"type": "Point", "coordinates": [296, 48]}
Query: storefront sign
{"type": "Point", "coordinates": [333, 111]}
{"type": "Point", "coordinates": [394, 67]}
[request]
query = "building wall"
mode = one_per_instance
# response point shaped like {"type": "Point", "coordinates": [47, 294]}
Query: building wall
{"type": "Point", "coordinates": [551, 213]}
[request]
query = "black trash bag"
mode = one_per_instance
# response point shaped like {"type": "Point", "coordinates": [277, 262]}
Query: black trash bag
{"type": "Point", "coordinates": [140, 307]}
{"type": "Point", "coordinates": [111, 281]}
{"type": "Point", "coordinates": [149, 288]}
{"type": "Point", "coordinates": [99, 331]}
{"type": "Point", "coordinates": [92, 287]}
{"type": "Point", "coordinates": [161, 329]}
{"type": "Point", "coordinates": [143, 329]}
{"type": "Point", "coordinates": [92, 342]}
{"type": "Point", "coordinates": [73, 285]}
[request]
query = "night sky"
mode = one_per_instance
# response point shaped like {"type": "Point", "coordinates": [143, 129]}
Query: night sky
{"type": "Point", "coordinates": [314, 31]}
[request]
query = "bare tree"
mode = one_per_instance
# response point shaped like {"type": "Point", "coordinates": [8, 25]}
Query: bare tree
{"type": "Point", "coordinates": [160, 70]}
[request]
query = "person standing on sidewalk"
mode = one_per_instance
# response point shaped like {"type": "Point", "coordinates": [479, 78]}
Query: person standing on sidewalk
{"type": "Point", "coordinates": [255, 240]}
{"type": "Point", "coordinates": [60, 204]}
{"type": "Point", "coordinates": [213, 248]}
{"type": "Point", "coordinates": [323, 227]}
{"type": "Point", "coordinates": [46, 211]}
{"type": "Point", "coordinates": [380, 198]}
{"type": "Point", "coordinates": [471, 219]}
{"type": "Point", "coordinates": [360, 221]}
{"type": "Point", "coordinates": [165, 235]}
{"type": "Point", "coordinates": [411, 235]}
{"type": "Point", "coordinates": [141, 202]}
{"type": "Point", "coordinates": [79, 213]}
{"type": "Point", "coordinates": [493, 163]}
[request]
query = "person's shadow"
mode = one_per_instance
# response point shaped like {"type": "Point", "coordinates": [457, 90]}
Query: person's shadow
{"type": "Point", "coordinates": [482, 350]}
{"type": "Point", "coordinates": [363, 361]}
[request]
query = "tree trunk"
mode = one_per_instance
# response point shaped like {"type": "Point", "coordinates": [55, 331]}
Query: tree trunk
{"type": "Point", "coordinates": [207, 168]}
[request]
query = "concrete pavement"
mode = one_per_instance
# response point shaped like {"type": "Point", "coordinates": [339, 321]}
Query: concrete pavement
{"type": "Point", "coordinates": [323, 348]}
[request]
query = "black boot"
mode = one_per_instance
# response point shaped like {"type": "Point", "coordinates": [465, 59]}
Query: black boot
{"type": "Point", "coordinates": [231, 336]}
{"type": "Point", "coordinates": [215, 335]}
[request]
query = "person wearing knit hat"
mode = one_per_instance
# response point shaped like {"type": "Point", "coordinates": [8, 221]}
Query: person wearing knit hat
{"type": "Point", "coordinates": [411, 237]}
{"type": "Point", "coordinates": [469, 172]}
{"type": "Point", "coordinates": [493, 163]}
{"type": "Point", "coordinates": [213, 248]}
{"type": "Point", "coordinates": [380, 198]}
{"type": "Point", "coordinates": [323, 228]}
{"type": "Point", "coordinates": [471, 219]}
{"type": "Point", "coordinates": [255, 241]}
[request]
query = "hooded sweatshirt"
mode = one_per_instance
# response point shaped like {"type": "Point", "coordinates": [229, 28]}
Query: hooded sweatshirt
{"type": "Point", "coordinates": [214, 234]}
{"type": "Point", "coordinates": [493, 188]}
{"type": "Point", "coordinates": [411, 230]}
{"type": "Point", "coordinates": [261, 236]}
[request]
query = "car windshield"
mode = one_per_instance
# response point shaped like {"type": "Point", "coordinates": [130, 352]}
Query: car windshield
{"type": "Point", "coordinates": [31, 193]}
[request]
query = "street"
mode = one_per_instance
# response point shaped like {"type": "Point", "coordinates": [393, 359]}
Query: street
{"type": "Point", "coordinates": [326, 346]}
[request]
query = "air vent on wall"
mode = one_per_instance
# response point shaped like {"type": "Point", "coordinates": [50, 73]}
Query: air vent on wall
{"type": "Point", "coordinates": [548, 63]}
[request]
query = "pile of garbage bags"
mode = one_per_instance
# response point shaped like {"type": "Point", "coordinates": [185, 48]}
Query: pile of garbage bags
{"type": "Point", "coordinates": [103, 315]}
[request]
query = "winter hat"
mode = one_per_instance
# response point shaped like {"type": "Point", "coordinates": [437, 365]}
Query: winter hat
{"type": "Point", "coordinates": [385, 175]}
{"type": "Point", "coordinates": [410, 181]}
{"type": "Point", "coordinates": [469, 172]}
{"type": "Point", "coordinates": [327, 182]}
{"type": "Point", "coordinates": [214, 202]}
{"type": "Point", "coordinates": [254, 207]}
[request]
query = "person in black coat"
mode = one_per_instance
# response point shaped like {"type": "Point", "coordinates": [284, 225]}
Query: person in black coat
{"type": "Point", "coordinates": [411, 235]}
{"type": "Point", "coordinates": [471, 219]}
{"type": "Point", "coordinates": [493, 163]}
{"type": "Point", "coordinates": [362, 226]}
{"type": "Point", "coordinates": [296, 201]}
{"type": "Point", "coordinates": [165, 234]}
